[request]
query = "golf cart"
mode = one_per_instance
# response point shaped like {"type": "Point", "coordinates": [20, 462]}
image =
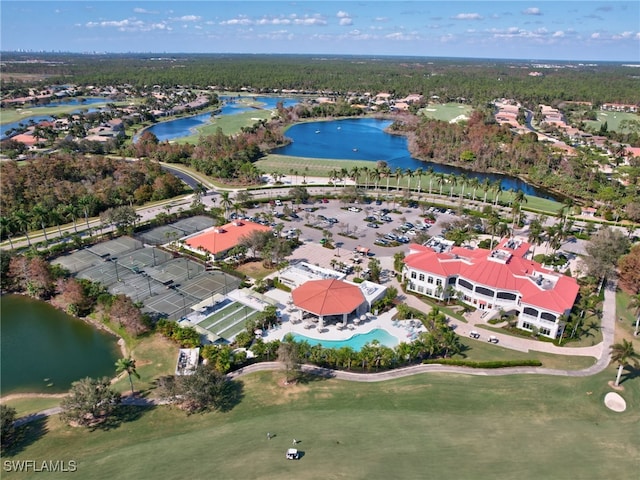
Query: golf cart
{"type": "Point", "coordinates": [292, 454]}
{"type": "Point", "coordinates": [492, 339]}
{"type": "Point", "coordinates": [474, 334]}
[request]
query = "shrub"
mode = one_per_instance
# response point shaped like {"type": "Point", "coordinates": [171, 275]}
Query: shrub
{"type": "Point", "coordinates": [488, 364]}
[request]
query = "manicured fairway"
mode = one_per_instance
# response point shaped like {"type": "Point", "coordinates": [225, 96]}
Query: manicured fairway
{"type": "Point", "coordinates": [446, 111]}
{"type": "Point", "coordinates": [427, 426]}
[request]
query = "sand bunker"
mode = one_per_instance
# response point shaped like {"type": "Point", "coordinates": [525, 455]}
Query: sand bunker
{"type": "Point", "coordinates": [615, 402]}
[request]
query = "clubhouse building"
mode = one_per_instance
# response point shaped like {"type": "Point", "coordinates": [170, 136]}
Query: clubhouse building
{"type": "Point", "coordinates": [498, 279]}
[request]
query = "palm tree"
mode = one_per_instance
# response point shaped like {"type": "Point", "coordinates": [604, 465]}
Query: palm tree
{"type": "Point", "coordinates": [70, 211]}
{"type": "Point", "coordinates": [440, 180]}
{"type": "Point", "coordinates": [399, 174]}
{"type": "Point", "coordinates": [86, 202]}
{"type": "Point", "coordinates": [518, 198]}
{"type": "Point", "coordinates": [409, 174]}
{"type": "Point", "coordinates": [40, 216]}
{"type": "Point", "coordinates": [127, 365]}
{"type": "Point", "coordinates": [535, 234]}
{"type": "Point", "coordinates": [497, 187]}
{"type": "Point", "coordinates": [353, 174]}
{"type": "Point", "coordinates": [225, 202]}
{"type": "Point", "coordinates": [6, 225]}
{"type": "Point", "coordinates": [418, 173]}
{"type": "Point", "coordinates": [474, 183]}
{"type": "Point", "coordinates": [430, 173]}
{"type": "Point", "coordinates": [486, 186]}
{"type": "Point", "coordinates": [387, 173]}
{"type": "Point", "coordinates": [22, 221]}
{"type": "Point", "coordinates": [492, 226]}
{"type": "Point", "coordinates": [464, 181]}
{"type": "Point", "coordinates": [453, 182]}
{"type": "Point", "coordinates": [367, 174]}
{"type": "Point", "coordinates": [623, 353]}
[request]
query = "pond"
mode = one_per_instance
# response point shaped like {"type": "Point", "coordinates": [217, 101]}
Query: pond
{"type": "Point", "coordinates": [43, 349]}
{"type": "Point", "coordinates": [187, 126]}
{"type": "Point", "coordinates": [365, 139]}
{"type": "Point", "coordinates": [84, 102]}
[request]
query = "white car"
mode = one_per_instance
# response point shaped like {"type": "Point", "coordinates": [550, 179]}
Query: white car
{"type": "Point", "coordinates": [492, 339]}
{"type": "Point", "coordinates": [354, 209]}
{"type": "Point", "coordinates": [292, 454]}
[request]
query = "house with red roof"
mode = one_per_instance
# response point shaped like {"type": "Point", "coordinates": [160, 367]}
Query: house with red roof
{"type": "Point", "coordinates": [217, 241]}
{"type": "Point", "coordinates": [498, 279]}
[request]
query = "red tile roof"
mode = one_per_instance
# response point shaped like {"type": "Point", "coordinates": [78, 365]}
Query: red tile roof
{"type": "Point", "coordinates": [328, 297]}
{"type": "Point", "coordinates": [514, 274]}
{"type": "Point", "coordinates": [221, 239]}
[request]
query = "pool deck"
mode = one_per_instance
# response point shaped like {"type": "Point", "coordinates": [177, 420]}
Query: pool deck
{"type": "Point", "coordinates": [402, 330]}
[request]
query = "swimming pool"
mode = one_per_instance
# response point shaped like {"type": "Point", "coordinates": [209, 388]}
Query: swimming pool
{"type": "Point", "coordinates": [356, 342]}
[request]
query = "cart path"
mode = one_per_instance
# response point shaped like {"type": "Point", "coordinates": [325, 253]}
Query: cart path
{"type": "Point", "coordinates": [600, 351]}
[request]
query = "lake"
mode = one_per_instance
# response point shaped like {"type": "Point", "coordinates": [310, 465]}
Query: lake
{"type": "Point", "coordinates": [43, 349]}
{"type": "Point", "coordinates": [365, 139]}
{"type": "Point", "coordinates": [187, 126]}
{"type": "Point", "coordinates": [85, 102]}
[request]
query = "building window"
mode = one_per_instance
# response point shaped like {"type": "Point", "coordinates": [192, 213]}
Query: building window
{"type": "Point", "coordinates": [530, 311]}
{"type": "Point", "coordinates": [507, 296]}
{"type": "Point", "coordinates": [484, 291]}
{"type": "Point", "coordinates": [421, 277]}
{"type": "Point", "coordinates": [438, 281]}
{"type": "Point", "coordinates": [413, 275]}
{"type": "Point", "coordinates": [430, 280]}
{"type": "Point", "coordinates": [549, 317]}
{"type": "Point", "coordinates": [465, 284]}
{"type": "Point", "coordinates": [420, 289]}
{"type": "Point", "coordinates": [429, 292]}
{"type": "Point", "coordinates": [451, 281]}
{"type": "Point", "coordinates": [545, 331]}
{"type": "Point", "coordinates": [527, 326]}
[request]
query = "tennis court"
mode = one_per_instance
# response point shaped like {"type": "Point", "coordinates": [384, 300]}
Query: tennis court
{"type": "Point", "coordinates": [137, 286]}
{"type": "Point", "coordinates": [144, 257]}
{"type": "Point", "coordinates": [77, 261]}
{"type": "Point", "coordinates": [193, 224]}
{"type": "Point", "coordinates": [170, 304]}
{"type": "Point", "coordinates": [160, 235]}
{"type": "Point", "coordinates": [229, 320]}
{"type": "Point", "coordinates": [115, 247]}
{"type": "Point", "coordinates": [206, 283]}
{"type": "Point", "coordinates": [106, 273]}
{"type": "Point", "coordinates": [178, 229]}
{"type": "Point", "coordinates": [176, 270]}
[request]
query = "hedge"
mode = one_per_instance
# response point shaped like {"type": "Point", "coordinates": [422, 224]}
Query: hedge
{"type": "Point", "coordinates": [489, 364]}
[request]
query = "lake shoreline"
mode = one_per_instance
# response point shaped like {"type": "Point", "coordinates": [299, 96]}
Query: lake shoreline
{"type": "Point", "coordinates": [121, 343]}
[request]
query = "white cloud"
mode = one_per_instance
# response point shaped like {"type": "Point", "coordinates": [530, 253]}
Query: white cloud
{"type": "Point", "coordinates": [468, 16]}
{"type": "Point", "coordinates": [532, 11]}
{"type": "Point", "coordinates": [342, 14]}
{"type": "Point", "coordinates": [188, 18]}
{"type": "Point", "coordinates": [143, 10]}
{"type": "Point", "coordinates": [237, 21]}
{"type": "Point", "coordinates": [595, 35]}
{"type": "Point", "coordinates": [345, 22]}
{"type": "Point", "coordinates": [558, 34]}
{"type": "Point", "coordinates": [129, 25]}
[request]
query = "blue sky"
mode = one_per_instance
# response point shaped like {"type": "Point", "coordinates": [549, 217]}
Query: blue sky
{"type": "Point", "coordinates": [555, 30]}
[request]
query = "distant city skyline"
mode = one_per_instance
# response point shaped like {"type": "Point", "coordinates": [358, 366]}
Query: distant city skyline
{"type": "Point", "coordinates": [509, 29]}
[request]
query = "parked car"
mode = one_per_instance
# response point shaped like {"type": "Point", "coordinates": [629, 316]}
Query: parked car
{"type": "Point", "coordinates": [474, 334]}
{"type": "Point", "coordinates": [332, 220]}
{"type": "Point", "coordinates": [372, 225]}
{"type": "Point", "coordinates": [492, 339]}
{"type": "Point", "coordinates": [386, 218]}
{"type": "Point", "coordinates": [370, 219]}
{"type": "Point", "coordinates": [378, 202]}
{"type": "Point", "coordinates": [354, 209]}
{"type": "Point", "coordinates": [278, 203]}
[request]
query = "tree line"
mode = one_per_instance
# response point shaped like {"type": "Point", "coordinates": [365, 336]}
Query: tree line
{"type": "Point", "coordinates": [477, 81]}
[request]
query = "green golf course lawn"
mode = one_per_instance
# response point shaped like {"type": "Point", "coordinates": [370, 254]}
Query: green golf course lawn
{"type": "Point", "coordinates": [425, 426]}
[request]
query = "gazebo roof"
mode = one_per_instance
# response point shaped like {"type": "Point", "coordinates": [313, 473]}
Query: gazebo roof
{"type": "Point", "coordinates": [328, 297]}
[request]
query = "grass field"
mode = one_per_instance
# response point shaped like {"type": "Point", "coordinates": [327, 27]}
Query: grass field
{"type": "Point", "coordinates": [445, 111]}
{"type": "Point", "coordinates": [9, 115]}
{"type": "Point", "coordinates": [613, 120]}
{"type": "Point", "coordinates": [426, 426]}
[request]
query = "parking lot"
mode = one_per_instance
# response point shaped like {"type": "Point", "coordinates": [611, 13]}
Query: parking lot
{"type": "Point", "coordinates": [353, 225]}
